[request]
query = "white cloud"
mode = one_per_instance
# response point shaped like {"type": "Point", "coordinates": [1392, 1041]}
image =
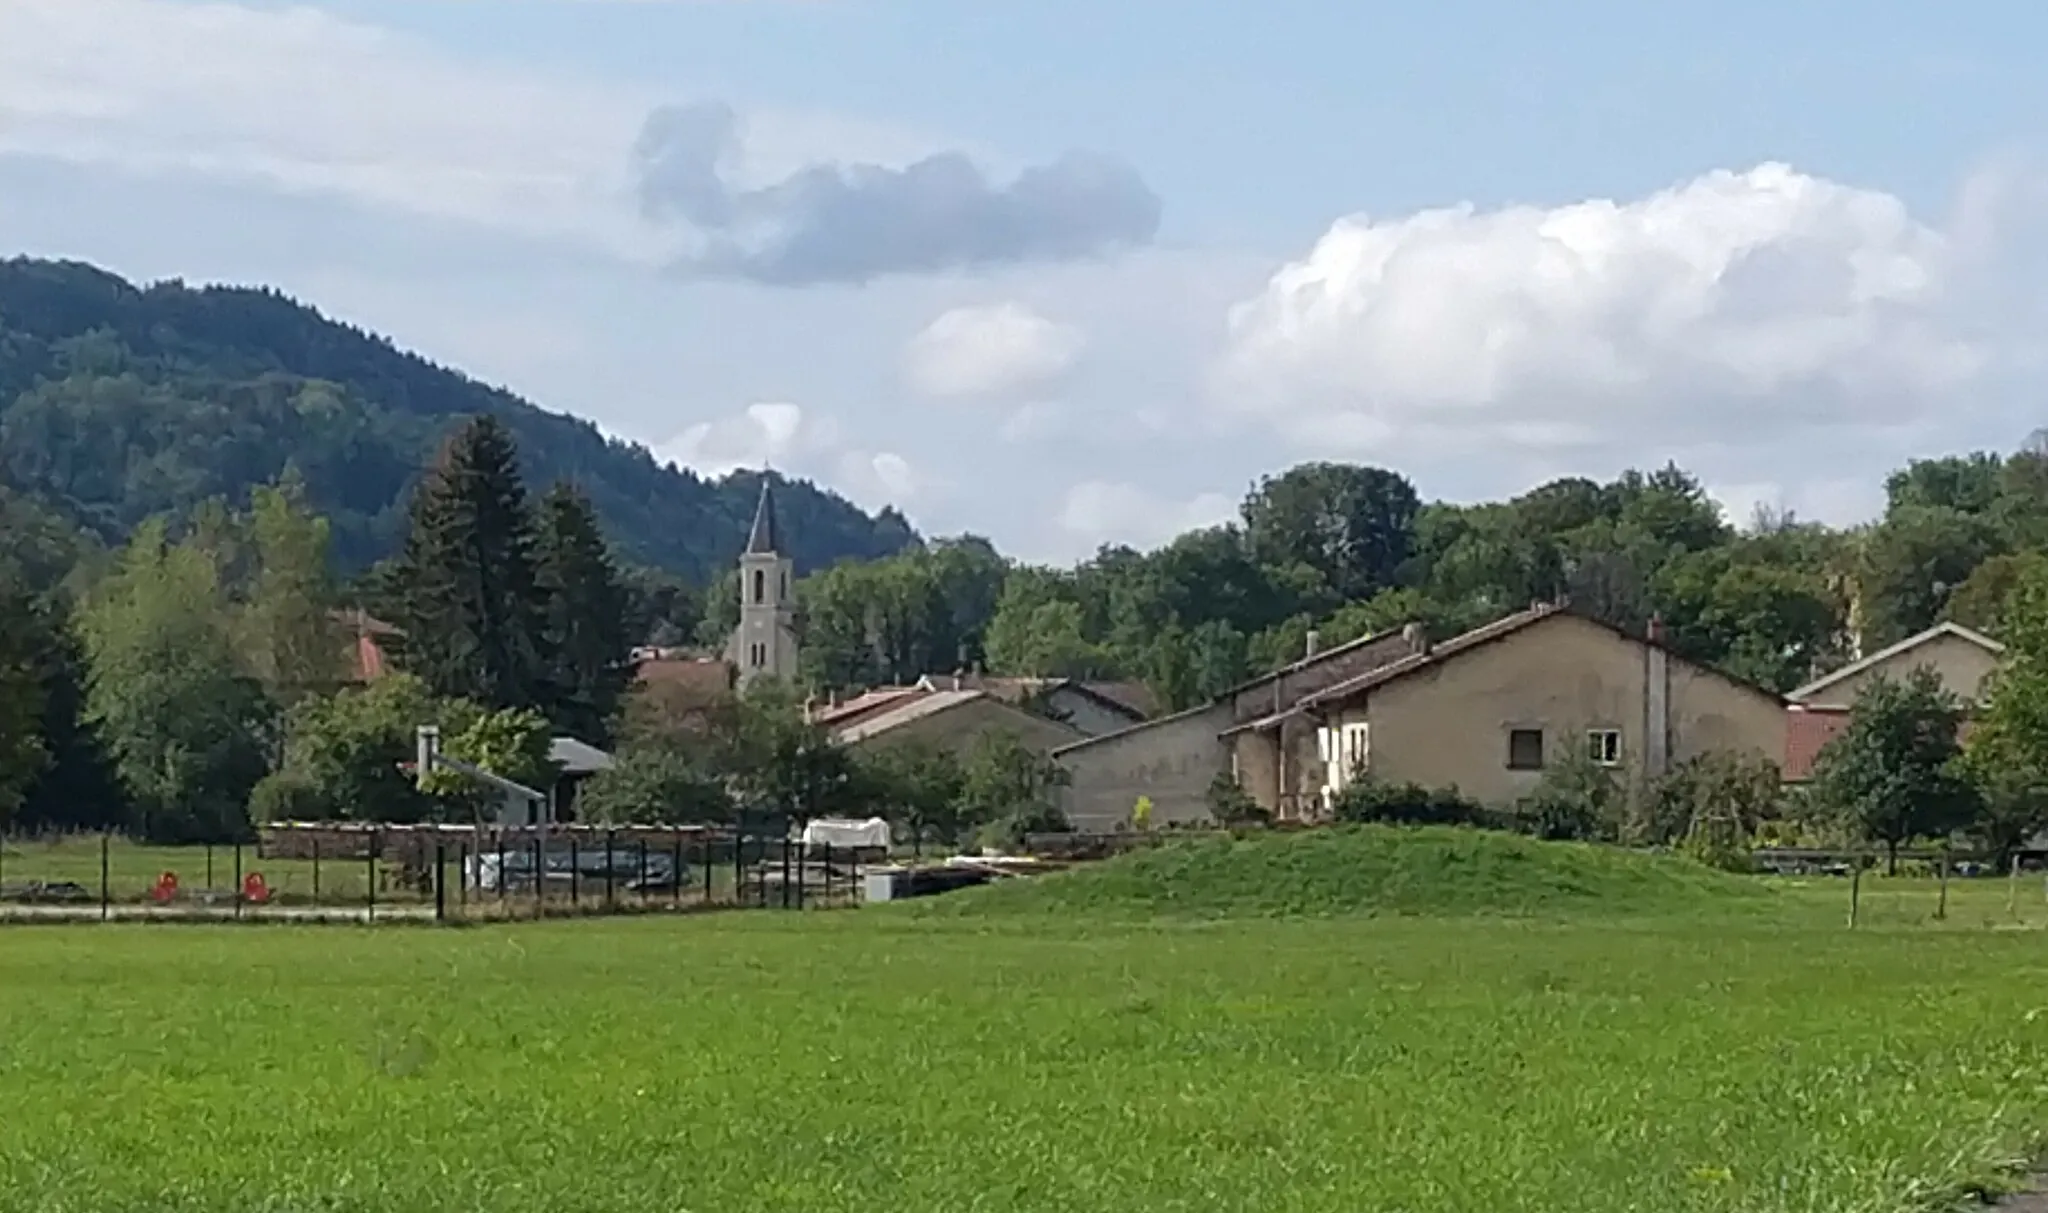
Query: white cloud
{"type": "Point", "coordinates": [1733, 309]}
{"type": "Point", "coordinates": [780, 435]}
{"type": "Point", "coordinates": [303, 100]}
{"type": "Point", "coordinates": [996, 349]}
{"type": "Point", "coordinates": [1101, 511]}
{"type": "Point", "coordinates": [768, 434]}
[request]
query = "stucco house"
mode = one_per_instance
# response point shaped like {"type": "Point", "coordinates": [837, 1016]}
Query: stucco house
{"type": "Point", "coordinates": [1487, 711]}
{"type": "Point", "coordinates": [1961, 657]}
{"type": "Point", "coordinates": [1172, 760]}
{"type": "Point", "coordinates": [1093, 708]}
{"type": "Point", "coordinates": [946, 720]}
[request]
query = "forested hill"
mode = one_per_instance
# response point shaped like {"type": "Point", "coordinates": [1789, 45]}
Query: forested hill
{"type": "Point", "coordinates": [119, 402]}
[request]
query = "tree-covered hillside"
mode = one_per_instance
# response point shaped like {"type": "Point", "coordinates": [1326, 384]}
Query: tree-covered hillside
{"type": "Point", "coordinates": [118, 403]}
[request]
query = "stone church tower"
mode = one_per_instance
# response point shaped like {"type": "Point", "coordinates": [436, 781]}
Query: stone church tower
{"type": "Point", "coordinates": [764, 645]}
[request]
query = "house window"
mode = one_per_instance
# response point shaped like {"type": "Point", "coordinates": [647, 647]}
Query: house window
{"type": "Point", "coordinates": [1357, 747]}
{"type": "Point", "coordinates": [760, 586]}
{"type": "Point", "coordinates": [757, 655]}
{"type": "Point", "coordinates": [1603, 746]}
{"type": "Point", "coordinates": [1525, 749]}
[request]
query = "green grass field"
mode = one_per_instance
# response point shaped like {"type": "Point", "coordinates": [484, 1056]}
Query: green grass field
{"type": "Point", "coordinates": [1712, 1048]}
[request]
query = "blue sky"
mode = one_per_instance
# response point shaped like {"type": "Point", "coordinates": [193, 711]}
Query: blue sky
{"type": "Point", "coordinates": [1486, 243]}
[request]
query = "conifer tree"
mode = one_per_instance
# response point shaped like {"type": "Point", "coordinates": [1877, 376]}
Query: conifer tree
{"type": "Point", "coordinates": [586, 633]}
{"type": "Point", "coordinates": [466, 594]}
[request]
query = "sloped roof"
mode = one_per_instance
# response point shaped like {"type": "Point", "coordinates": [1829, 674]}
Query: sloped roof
{"type": "Point", "coordinates": [577, 757]}
{"type": "Point", "coordinates": [1939, 630]}
{"type": "Point", "coordinates": [1125, 698]}
{"type": "Point", "coordinates": [1486, 634]}
{"type": "Point", "coordinates": [918, 706]}
{"type": "Point", "coordinates": [838, 715]}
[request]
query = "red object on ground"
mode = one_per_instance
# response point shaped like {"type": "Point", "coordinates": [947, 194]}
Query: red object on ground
{"type": "Point", "coordinates": [253, 888]}
{"type": "Point", "coordinates": [166, 887]}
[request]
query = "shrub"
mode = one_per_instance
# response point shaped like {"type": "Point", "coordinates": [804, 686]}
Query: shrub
{"type": "Point", "coordinates": [1365, 801]}
{"type": "Point", "coordinates": [1231, 805]}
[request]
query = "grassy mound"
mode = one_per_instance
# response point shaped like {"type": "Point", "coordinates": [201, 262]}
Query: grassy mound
{"type": "Point", "coordinates": [1366, 870]}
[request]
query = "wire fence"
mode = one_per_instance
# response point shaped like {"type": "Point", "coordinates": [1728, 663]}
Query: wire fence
{"type": "Point", "coordinates": [428, 874]}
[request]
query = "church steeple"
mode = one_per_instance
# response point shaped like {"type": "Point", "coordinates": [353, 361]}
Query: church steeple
{"type": "Point", "coordinates": [764, 645]}
{"type": "Point", "coordinates": [766, 536]}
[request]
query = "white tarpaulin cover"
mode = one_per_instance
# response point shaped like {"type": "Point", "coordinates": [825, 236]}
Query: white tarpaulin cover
{"type": "Point", "coordinates": [839, 832]}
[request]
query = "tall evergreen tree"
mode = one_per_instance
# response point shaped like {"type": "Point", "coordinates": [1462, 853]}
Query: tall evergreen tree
{"type": "Point", "coordinates": [587, 627]}
{"type": "Point", "coordinates": [22, 699]}
{"type": "Point", "coordinates": [466, 594]}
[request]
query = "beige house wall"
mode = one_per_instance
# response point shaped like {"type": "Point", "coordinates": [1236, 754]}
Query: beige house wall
{"type": "Point", "coordinates": [1448, 724]}
{"type": "Point", "coordinates": [957, 728]}
{"type": "Point", "coordinates": [1172, 760]}
{"type": "Point", "coordinates": [1961, 665]}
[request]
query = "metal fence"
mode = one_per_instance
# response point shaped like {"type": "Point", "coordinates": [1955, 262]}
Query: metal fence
{"type": "Point", "coordinates": [347, 873]}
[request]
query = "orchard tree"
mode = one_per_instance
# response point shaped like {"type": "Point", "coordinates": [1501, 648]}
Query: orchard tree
{"type": "Point", "coordinates": [1891, 775]}
{"type": "Point", "coordinates": [288, 631]}
{"type": "Point", "coordinates": [655, 782]}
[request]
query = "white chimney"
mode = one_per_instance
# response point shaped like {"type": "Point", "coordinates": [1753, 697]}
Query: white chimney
{"type": "Point", "coordinates": [1315, 643]}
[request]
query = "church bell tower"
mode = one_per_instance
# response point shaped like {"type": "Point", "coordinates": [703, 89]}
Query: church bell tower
{"type": "Point", "coordinates": [764, 645]}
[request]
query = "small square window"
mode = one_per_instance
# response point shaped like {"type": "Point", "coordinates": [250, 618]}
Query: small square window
{"type": "Point", "coordinates": [1603, 746]}
{"type": "Point", "coordinates": [1525, 749]}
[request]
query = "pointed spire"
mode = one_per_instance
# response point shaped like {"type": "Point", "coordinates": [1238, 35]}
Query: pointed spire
{"type": "Point", "coordinates": [766, 537]}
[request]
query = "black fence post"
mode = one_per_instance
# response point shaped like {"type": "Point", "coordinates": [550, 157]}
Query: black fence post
{"type": "Point", "coordinates": [316, 869]}
{"type": "Point", "coordinates": [440, 881]}
{"type": "Point", "coordinates": [238, 878]}
{"type": "Point", "coordinates": [462, 877]}
{"type": "Point", "coordinates": [641, 887]}
{"type": "Point", "coordinates": [106, 846]}
{"type": "Point", "coordinates": [209, 867]}
{"type": "Point", "coordinates": [675, 872]}
{"type": "Point", "coordinates": [785, 872]}
{"type": "Point", "coordinates": [370, 897]}
{"type": "Point", "coordinates": [540, 877]}
{"type": "Point", "coordinates": [575, 872]}
{"type": "Point", "coordinates": [502, 881]}
{"type": "Point", "coordinates": [611, 859]}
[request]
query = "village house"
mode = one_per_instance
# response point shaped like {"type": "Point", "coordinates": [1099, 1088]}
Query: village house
{"type": "Point", "coordinates": [1962, 658]}
{"type": "Point", "coordinates": [1485, 712]}
{"type": "Point", "coordinates": [948, 720]}
{"type": "Point", "coordinates": [1173, 760]}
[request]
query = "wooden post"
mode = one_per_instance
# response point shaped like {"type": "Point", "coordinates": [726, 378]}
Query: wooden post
{"type": "Point", "coordinates": [1941, 908]}
{"type": "Point", "coordinates": [1855, 890]}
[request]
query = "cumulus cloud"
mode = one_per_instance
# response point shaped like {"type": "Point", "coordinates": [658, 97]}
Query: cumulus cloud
{"type": "Point", "coordinates": [1104, 511]}
{"type": "Point", "coordinates": [1734, 308]}
{"type": "Point", "coordinates": [853, 223]}
{"type": "Point", "coordinates": [781, 435]}
{"type": "Point", "coordinates": [990, 350]}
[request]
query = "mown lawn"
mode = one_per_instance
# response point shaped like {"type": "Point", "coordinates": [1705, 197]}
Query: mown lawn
{"type": "Point", "coordinates": [888, 1061]}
